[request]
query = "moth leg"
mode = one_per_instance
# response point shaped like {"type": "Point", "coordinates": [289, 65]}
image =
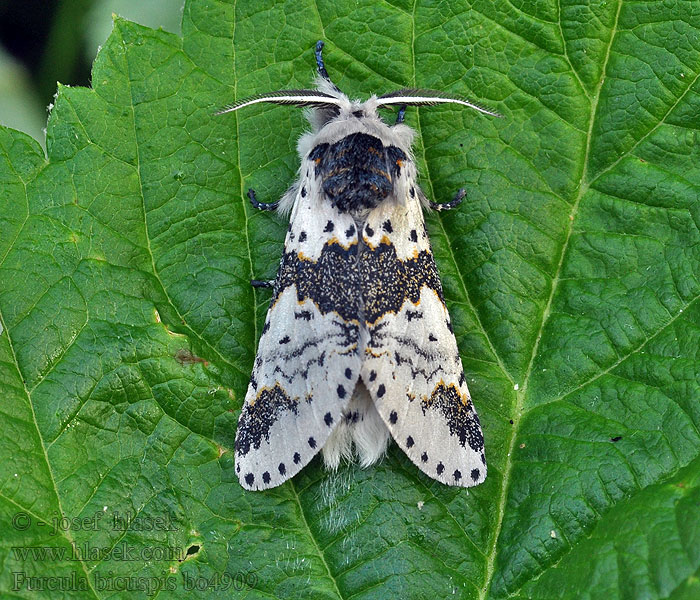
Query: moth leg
{"type": "Point", "coordinates": [260, 283]}
{"type": "Point", "coordinates": [455, 202]}
{"type": "Point", "coordinates": [320, 64]}
{"type": "Point", "coordinates": [400, 115]}
{"type": "Point", "coordinates": [261, 205]}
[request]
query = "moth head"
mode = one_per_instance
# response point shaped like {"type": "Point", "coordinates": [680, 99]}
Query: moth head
{"type": "Point", "coordinates": [328, 102]}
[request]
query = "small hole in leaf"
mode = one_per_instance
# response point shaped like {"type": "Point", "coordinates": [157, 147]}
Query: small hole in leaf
{"type": "Point", "coordinates": [192, 551]}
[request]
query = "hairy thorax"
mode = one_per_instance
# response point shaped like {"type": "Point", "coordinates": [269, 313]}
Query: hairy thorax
{"type": "Point", "coordinates": [358, 171]}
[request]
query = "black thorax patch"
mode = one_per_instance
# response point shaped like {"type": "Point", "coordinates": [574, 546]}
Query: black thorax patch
{"type": "Point", "coordinates": [357, 171]}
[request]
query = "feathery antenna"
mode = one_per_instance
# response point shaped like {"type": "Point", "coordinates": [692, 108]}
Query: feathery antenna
{"type": "Point", "coordinates": [293, 97]}
{"type": "Point", "coordinates": [418, 97]}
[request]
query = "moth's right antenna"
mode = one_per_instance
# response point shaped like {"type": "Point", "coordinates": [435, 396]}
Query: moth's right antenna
{"type": "Point", "coordinates": [321, 66]}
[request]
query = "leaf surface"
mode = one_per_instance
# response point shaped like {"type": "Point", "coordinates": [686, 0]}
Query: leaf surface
{"type": "Point", "coordinates": [571, 272]}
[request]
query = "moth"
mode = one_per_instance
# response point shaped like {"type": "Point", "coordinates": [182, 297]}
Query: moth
{"type": "Point", "coordinates": [357, 344]}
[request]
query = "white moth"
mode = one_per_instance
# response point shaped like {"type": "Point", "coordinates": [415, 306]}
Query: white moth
{"type": "Point", "coordinates": [357, 344]}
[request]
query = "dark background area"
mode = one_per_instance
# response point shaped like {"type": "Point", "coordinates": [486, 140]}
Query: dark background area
{"type": "Point", "coordinates": [43, 36]}
{"type": "Point", "coordinates": [43, 42]}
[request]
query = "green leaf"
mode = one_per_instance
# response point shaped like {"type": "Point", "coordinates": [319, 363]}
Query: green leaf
{"type": "Point", "coordinates": [129, 326]}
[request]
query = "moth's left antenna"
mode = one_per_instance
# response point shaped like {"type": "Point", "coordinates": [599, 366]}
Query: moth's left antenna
{"type": "Point", "coordinates": [321, 66]}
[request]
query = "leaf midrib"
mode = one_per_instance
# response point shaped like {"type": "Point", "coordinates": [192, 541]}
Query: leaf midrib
{"type": "Point", "coordinates": [449, 245]}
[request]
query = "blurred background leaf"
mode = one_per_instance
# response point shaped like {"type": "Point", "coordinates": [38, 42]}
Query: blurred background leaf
{"type": "Point", "coordinates": [20, 107]}
{"type": "Point", "coordinates": [43, 42]}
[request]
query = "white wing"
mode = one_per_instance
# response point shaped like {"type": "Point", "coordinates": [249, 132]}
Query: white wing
{"type": "Point", "coordinates": [308, 360]}
{"type": "Point", "coordinates": [412, 366]}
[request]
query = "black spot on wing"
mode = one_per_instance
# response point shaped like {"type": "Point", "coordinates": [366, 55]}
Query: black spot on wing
{"type": "Point", "coordinates": [351, 416]}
